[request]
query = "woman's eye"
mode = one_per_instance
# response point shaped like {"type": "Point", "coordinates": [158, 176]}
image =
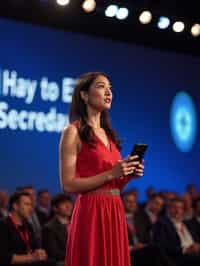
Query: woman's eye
{"type": "Point", "coordinates": [104, 87]}
{"type": "Point", "coordinates": [100, 86]}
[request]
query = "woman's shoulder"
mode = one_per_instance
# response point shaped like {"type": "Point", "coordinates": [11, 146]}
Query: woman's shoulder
{"type": "Point", "coordinates": [71, 130]}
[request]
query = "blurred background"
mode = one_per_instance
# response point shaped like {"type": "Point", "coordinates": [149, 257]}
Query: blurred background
{"type": "Point", "coordinates": [149, 49]}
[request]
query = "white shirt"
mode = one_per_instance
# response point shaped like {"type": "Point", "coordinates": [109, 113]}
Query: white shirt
{"type": "Point", "coordinates": [151, 215]}
{"type": "Point", "coordinates": [183, 233]}
{"type": "Point", "coordinates": [130, 222]}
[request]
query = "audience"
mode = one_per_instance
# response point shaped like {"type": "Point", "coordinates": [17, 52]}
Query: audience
{"type": "Point", "coordinates": [4, 198]}
{"type": "Point", "coordinates": [142, 253]}
{"type": "Point", "coordinates": [188, 209]}
{"type": "Point", "coordinates": [17, 241]}
{"type": "Point", "coordinates": [194, 223]}
{"type": "Point", "coordinates": [147, 217]}
{"type": "Point", "coordinates": [43, 207]}
{"type": "Point", "coordinates": [33, 218]}
{"type": "Point", "coordinates": [150, 191]}
{"type": "Point", "coordinates": [55, 231]}
{"type": "Point", "coordinates": [192, 190]}
{"type": "Point", "coordinates": [175, 237]}
{"type": "Point", "coordinates": [163, 231]}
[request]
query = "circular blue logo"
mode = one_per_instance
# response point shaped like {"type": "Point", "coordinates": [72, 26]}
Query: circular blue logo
{"type": "Point", "coordinates": [183, 121]}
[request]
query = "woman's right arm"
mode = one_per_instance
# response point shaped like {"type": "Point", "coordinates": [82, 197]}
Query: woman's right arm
{"type": "Point", "coordinates": [68, 152]}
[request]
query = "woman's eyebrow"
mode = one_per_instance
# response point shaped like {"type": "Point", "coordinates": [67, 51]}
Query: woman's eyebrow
{"type": "Point", "coordinates": [102, 82]}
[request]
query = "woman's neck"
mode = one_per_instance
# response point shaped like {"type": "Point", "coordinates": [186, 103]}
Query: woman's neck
{"type": "Point", "coordinates": [94, 118]}
{"type": "Point", "coordinates": [94, 123]}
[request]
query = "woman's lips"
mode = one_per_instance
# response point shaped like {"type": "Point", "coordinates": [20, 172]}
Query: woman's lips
{"type": "Point", "coordinates": [107, 100]}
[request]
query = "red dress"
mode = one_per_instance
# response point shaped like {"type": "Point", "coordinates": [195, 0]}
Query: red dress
{"type": "Point", "coordinates": [98, 230]}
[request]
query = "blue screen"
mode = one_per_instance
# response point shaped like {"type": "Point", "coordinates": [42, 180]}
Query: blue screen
{"type": "Point", "coordinates": [156, 101]}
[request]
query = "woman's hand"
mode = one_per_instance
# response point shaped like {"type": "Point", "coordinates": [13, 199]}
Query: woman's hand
{"type": "Point", "coordinates": [128, 166]}
{"type": "Point", "coordinates": [139, 171]}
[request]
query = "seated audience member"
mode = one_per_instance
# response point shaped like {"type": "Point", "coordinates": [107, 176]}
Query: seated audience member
{"type": "Point", "coordinates": [4, 198]}
{"type": "Point", "coordinates": [145, 254]}
{"type": "Point", "coordinates": [33, 219]}
{"type": "Point", "coordinates": [43, 208]}
{"type": "Point", "coordinates": [188, 210]}
{"type": "Point", "coordinates": [172, 234]}
{"type": "Point", "coordinates": [150, 191]}
{"type": "Point", "coordinates": [194, 223]}
{"type": "Point", "coordinates": [55, 231]}
{"type": "Point", "coordinates": [169, 196]}
{"type": "Point", "coordinates": [193, 191]}
{"type": "Point", "coordinates": [146, 218]}
{"type": "Point", "coordinates": [17, 241]}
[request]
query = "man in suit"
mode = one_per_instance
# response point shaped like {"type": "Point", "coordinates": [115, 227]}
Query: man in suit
{"type": "Point", "coordinates": [33, 218]}
{"type": "Point", "coordinates": [194, 223]}
{"type": "Point", "coordinates": [55, 231]}
{"type": "Point", "coordinates": [142, 253]}
{"type": "Point", "coordinates": [17, 240]}
{"type": "Point", "coordinates": [43, 207]}
{"type": "Point", "coordinates": [147, 217]}
{"type": "Point", "coordinates": [175, 237]}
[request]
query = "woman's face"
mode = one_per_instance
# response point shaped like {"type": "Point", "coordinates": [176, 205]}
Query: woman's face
{"type": "Point", "coordinates": [99, 96]}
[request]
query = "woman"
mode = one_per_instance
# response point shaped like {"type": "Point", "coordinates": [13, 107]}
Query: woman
{"type": "Point", "coordinates": [91, 165]}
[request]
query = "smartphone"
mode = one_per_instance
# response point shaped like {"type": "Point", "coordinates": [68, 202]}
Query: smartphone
{"type": "Point", "coordinates": [139, 149]}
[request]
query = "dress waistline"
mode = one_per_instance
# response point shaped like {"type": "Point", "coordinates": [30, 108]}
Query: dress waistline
{"type": "Point", "coordinates": [114, 192]}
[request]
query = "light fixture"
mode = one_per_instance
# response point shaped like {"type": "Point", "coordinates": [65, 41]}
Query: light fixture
{"type": "Point", "coordinates": [178, 26]}
{"type": "Point", "coordinates": [122, 13]}
{"type": "Point", "coordinates": [62, 2]}
{"type": "Point", "coordinates": [145, 17]}
{"type": "Point", "coordinates": [89, 5]}
{"type": "Point", "coordinates": [195, 30]}
{"type": "Point", "coordinates": [163, 23]}
{"type": "Point", "coordinates": [111, 11]}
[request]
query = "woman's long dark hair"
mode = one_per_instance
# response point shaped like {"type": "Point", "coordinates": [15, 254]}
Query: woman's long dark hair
{"type": "Point", "coordinates": [78, 111]}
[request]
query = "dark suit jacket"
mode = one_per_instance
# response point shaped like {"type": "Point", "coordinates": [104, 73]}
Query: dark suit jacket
{"type": "Point", "coordinates": [42, 216]}
{"type": "Point", "coordinates": [11, 243]}
{"type": "Point", "coordinates": [143, 226]}
{"type": "Point", "coordinates": [54, 239]}
{"type": "Point", "coordinates": [165, 235]}
{"type": "Point", "coordinates": [194, 227]}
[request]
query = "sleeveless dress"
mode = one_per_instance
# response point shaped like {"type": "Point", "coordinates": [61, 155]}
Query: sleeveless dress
{"type": "Point", "coordinates": [97, 233]}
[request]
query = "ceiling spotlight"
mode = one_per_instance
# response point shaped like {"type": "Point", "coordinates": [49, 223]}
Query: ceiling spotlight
{"type": "Point", "coordinates": [163, 23]}
{"type": "Point", "coordinates": [89, 5]}
{"type": "Point", "coordinates": [111, 11]}
{"type": "Point", "coordinates": [195, 30]}
{"type": "Point", "coordinates": [62, 2]}
{"type": "Point", "coordinates": [178, 26]}
{"type": "Point", "coordinates": [122, 13]}
{"type": "Point", "coordinates": [145, 17]}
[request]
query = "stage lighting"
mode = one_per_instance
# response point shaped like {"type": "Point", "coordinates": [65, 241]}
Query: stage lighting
{"type": "Point", "coordinates": [111, 11]}
{"type": "Point", "coordinates": [195, 30]}
{"type": "Point", "coordinates": [122, 13]}
{"type": "Point", "coordinates": [163, 23]}
{"type": "Point", "coordinates": [145, 17]}
{"type": "Point", "coordinates": [178, 26]}
{"type": "Point", "coordinates": [62, 2]}
{"type": "Point", "coordinates": [89, 5]}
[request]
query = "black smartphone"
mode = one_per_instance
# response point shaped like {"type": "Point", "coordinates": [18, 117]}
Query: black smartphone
{"type": "Point", "coordinates": [139, 149]}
